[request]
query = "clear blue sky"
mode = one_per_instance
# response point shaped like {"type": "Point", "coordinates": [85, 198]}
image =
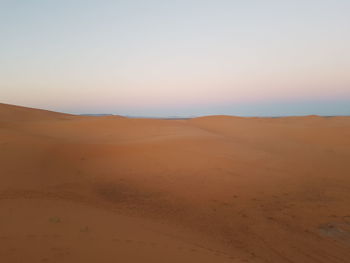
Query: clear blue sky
{"type": "Point", "coordinates": [185, 57]}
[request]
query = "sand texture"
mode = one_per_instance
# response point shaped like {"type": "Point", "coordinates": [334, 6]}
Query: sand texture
{"type": "Point", "coordinates": [209, 189]}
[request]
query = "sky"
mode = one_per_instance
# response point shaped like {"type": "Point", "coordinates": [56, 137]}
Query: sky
{"type": "Point", "coordinates": [177, 58]}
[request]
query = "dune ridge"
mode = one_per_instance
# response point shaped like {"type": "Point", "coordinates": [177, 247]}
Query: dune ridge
{"type": "Point", "coordinates": [207, 189]}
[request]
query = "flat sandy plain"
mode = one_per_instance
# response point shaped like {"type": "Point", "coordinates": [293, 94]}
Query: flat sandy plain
{"type": "Point", "coordinates": [209, 189]}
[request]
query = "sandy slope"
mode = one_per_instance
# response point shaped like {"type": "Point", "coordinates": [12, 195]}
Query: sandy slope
{"type": "Point", "coordinates": [210, 189]}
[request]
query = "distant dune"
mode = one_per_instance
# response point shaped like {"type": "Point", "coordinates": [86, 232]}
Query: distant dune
{"type": "Point", "coordinates": [208, 189]}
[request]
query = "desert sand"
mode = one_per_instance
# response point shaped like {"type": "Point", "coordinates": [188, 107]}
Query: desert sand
{"type": "Point", "coordinates": [208, 189]}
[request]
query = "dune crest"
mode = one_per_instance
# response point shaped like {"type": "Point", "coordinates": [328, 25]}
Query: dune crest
{"type": "Point", "coordinates": [18, 113]}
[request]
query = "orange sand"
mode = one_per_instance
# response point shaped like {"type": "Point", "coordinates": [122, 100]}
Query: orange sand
{"type": "Point", "coordinates": [209, 189]}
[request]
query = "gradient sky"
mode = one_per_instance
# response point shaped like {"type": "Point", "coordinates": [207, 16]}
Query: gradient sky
{"type": "Point", "coordinates": [177, 58]}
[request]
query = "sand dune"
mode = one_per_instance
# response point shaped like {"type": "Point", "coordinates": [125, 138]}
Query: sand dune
{"type": "Point", "coordinates": [209, 189]}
